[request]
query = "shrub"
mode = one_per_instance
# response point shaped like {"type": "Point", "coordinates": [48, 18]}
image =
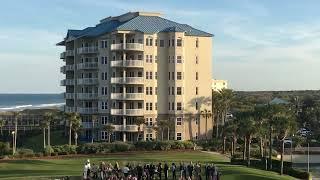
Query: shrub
{"type": "Point", "coordinates": [188, 144]}
{"type": "Point", "coordinates": [163, 145]}
{"type": "Point", "coordinates": [4, 148]}
{"type": "Point", "coordinates": [64, 149]}
{"type": "Point", "coordinates": [178, 145]}
{"type": "Point", "coordinates": [25, 153]}
{"type": "Point", "coordinates": [48, 151]}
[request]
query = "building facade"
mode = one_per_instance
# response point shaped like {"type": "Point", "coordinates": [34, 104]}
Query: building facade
{"type": "Point", "coordinates": [217, 85]}
{"type": "Point", "coordinates": [139, 65]}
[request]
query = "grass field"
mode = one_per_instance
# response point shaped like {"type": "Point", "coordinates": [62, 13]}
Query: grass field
{"type": "Point", "coordinates": [40, 169]}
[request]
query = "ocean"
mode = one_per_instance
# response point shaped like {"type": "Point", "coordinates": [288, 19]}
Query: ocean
{"type": "Point", "coordinates": [29, 101]}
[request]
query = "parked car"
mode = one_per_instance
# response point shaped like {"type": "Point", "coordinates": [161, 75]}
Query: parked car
{"type": "Point", "coordinates": [304, 132]}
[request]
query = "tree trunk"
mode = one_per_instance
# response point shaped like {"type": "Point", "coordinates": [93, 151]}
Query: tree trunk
{"type": "Point", "coordinates": [109, 137]}
{"type": "Point", "coordinates": [244, 149]}
{"type": "Point", "coordinates": [232, 149]}
{"type": "Point", "coordinates": [76, 138]}
{"type": "Point", "coordinates": [282, 153]}
{"type": "Point", "coordinates": [249, 150]}
{"type": "Point", "coordinates": [15, 134]}
{"type": "Point", "coordinates": [224, 144]}
{"type": "Point", "coordinates": [92, 132]}
{"type": "Point", "coordinates": [138, 134]}
{"type": "Point", "coordinates": [206, 127]}
{"type": "Point", "coordinates": [261, 147]}
{"type": "Point", "coordinates": [217, 126]}
{"type": "Point", "coordinates": [234, 144]}
{"type": "Point", "coordinates": [44, 138]}
{"type": "Point", "coordinates": [161, 134]}
{"type": "Point", "coordinates": [70, 133]}
{"type": "Point", "coordinates": [48, 141]}
{"type": "Point", "coordinates": [270, 148]}
{"type": "Point", "coordinates": [168, 133]}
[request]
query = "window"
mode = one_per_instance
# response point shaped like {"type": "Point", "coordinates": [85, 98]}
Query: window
{"type": "Point", "coordinates": [161, 43]}
{"type": "Point", "coordinates": [147, 106]}
{"type": "Point", "coordinates": [150, 106]}
{"type": "Point", "coordinates": [104, 76]}
{"type": "Point", "coordinates": [179, 106]}
{"type": "Point", "coordinates": [149, 137]}
{"type": "Point", "coordinates": [179, 90]}
{"type": "Point", "coordinates": [139, 105]}
{"type": "Point", "coordinates": [172, 42]}
{"type": "Point", "coordinates": [197, 60]}
{"type": "Point", "coordinates": [140, 89]}
{"type": "Point", "coordinates": [197, 108]}
{"type": "Point", "coordinates": [104, 135]}
{"type": "Point", "coordinates": [156, 75]}
{"type": "Point", "coordinates": [179, 121]}
{"type": "Point", "coordinates": [156, 42]}
{"type": "Point", "coordinates": [169, 75]}
{"type": "Point", "coordinates": [104, 60]}
{"type": "Point", "coordinates": [169, 43]}
{"type": "Point", "coordinates": [147, 58]}
{"type": "Point", "coordinates": [151, 40]}
{"type": "Point", "coordinates": [179, 75]}
{"type": "Point", "coordinates": [169, 106]}
{"type": "Point", "coordinates": [196, 136]}
{"type": "Point", "coordinates": [104, 105]}
{"type": "Point", "coordinates": [197, 121]}
{"type": "Point", "coordinates": [172, 75]}
{"type": "Point", "coordinates": [179, 136]}
{"type": "Point", "coordinates": [150, 58]}
{"type": "Point", "coordinates": [104, 91]}
{"type": "Point", "coordinates": [147, 75]}
{"type": "Point", "coordinates": [150, 75]}
{"type": "Point", "coordinates": [104, 120]}
{"type": "Point", "coordinates": [172, 106]}
{"type": "Point", "coordinates": [197, 43]}
{"type": "Point", "coordinates": [197, 76]}
{"type": "Point", "coordinates": [149, 121]}
{"type": "Point", "coordinates": [197, 89]}
{"type": "Point", "coordinates": [156, 90]}
{"type": "Point", "coordinates": [179, 59]}
{"type": "Point", "coordinates": [147, 42]}
{"type": "Point", "coordinates": [147, 90]}
{"type": "Point", "coordinates": [104, 44]}
{"type": "Point", "coordinates": [179, 42]}
{"type": "Point", "coordinates": [155, 106]}
{"type": "Point", "coordinates": [139, 57]}
{"type": "Point", "coordinates": [150, 90]}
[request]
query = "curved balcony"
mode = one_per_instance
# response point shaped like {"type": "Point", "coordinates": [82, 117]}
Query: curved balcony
{"type": "Point", "coordinates": [91, 110]}
{"type": "Point", "coordinates": [66, 68]}
{"type": "Point", "coordinates": [127, 63]}
{"type": "Point", "coordinates": [69, 95]}
{"type": "Point", "coordinates": [67, 82]}
{"type": "Point", "coordinates": [127, 80]}
{"type": "Point", "coordinates": [87, 50]}
{"type": "Point", "coordinates": [88, 65]}
{"type": "Point", "coordinates": [127, 46]}
{"type": "Point", "coordinates": [87, 95]}
{"type": "Point", "coordinates": [67, 53]}
{"type": "Point", "coordinates": [87, 81]}
{"type": "Point", "coordinates": [128, 128]}
{"type": "Point", "coordinates": [127, 112]}
{"type": "Point", "coordinates": [62, 55]}
{"type": "Point", "coordinates": [127, 96]}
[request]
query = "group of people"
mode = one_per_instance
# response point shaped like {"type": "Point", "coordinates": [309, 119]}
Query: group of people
{"type": "Point", "coordinates": [182, 171]}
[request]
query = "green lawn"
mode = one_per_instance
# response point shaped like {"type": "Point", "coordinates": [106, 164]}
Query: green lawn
{"type": "Point", "coordinates": [37, 169]}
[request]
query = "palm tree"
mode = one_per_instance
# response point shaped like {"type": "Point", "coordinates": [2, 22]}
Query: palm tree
{"type": "Point", "coordinates": [75, 126]}
{"type": "Point", "coordinates": [48, 119]}
{"type": "Point", "coordinates": [162, 124]}
{"type": "Point", "coordinates": [216, 110]}
{"type": "Point", "coordinates": [43, 125]}
{"type": "Point", "coordinates": [139, 121]}
{"type": "Point", "coordinates": [2, 123]}
{"type": "Point", "coordinates": [231, 128]}
{"type": "Point", "coordinates": [206, 114]}
{"type": "Point", "coordinates": [109, 129]}
{"type": "Point", "coordinates": [74, 120]}
{"type": "Point", "coordinates": [94, 119]}
{"type": "Point", "coordinates": [16, 115]}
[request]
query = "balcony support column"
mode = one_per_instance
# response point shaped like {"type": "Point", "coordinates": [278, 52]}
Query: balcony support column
{"type": "Point", "coordinates": [124, 125]}
{"type": "Point", "coordinates": [124, 40]}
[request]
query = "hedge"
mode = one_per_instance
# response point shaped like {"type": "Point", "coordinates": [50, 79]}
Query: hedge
{"type": "Point", "coordinates": [276, 165]}
{"type": "Point", "coordinates": [4, 148]}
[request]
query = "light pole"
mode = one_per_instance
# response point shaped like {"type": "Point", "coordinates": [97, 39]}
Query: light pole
{"type": "Point", "coordinates": [13, 144]}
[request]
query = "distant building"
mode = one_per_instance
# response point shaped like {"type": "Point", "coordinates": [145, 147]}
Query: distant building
{"type": "Point", "coordinates": [278, 101]}
{"type": "Point", "coordinates": [217, 85]}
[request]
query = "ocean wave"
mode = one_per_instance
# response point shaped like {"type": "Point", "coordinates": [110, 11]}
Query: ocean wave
{"type": "Point", "coordinates": [30, 106]}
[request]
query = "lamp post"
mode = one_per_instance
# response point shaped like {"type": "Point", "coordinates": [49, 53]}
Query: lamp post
{"type": "Point", "coordinates": [13, 144]}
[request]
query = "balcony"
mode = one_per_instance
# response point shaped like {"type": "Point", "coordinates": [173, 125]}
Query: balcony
{"type": "Point", "coordinates": [62, 55]}
{"type": "Point", "coordinates": [88, 65]}
{"type": "Point", "coordinates": [67, 53]}
{"type": "Point", "coordinates": [88, 50]}
{"type": "Point", "coordinates": [87, 95]}
{"type": "Point", "coordinates": [128, 128]}
{"type": "Point", "coordinates": [88, 125]}
{"type": "Point", "coordinates": [127, 112]}
{"type": "Point", "coordinates": [67, 82]}
{"type": "Point", "coordinates": [127, 63]}
{"type": "Point", "coordinates": [69, 109]}
{"type": "Point", "coordinates": [66, 68]}
{"type": "Point", "coordinates": [69, 95]}
{"type": "Point", "coordinates": [127, 80]}
{"type": "Point", "coordinates": [90, 110]}
{"type": "Point", "coordinates": [127, 96]}
{"type": "Point", "coordinates": [87, 81]}
{"type": "Point", "coordinates": [127, 46]}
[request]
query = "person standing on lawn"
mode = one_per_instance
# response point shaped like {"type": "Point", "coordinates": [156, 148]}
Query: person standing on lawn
{"type": "Point", "coordinates": [165, 170]}
{"type": "Point", "coordinates": [173, 169]}
{"type": "Point", "coordinates": [159, 170]}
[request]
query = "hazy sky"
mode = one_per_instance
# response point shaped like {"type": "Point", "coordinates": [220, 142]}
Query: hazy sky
{"type": "Point", "coordinates": [258, 45]}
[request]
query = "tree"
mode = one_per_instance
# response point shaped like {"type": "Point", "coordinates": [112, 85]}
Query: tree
{"type": "Point", "coordinates": [94, 119]}
{"type": "Point", "coordinates": [43, 125]}
{"type": "Point", "coordinates": [74, 124]}
{"type": "Point", "coordinates": [109, 129]}
{"type": "Point", "coordinates": [16, 115]}
{"type": "Point", "coordinates": [231, 129]}
{"type": "Point", "coordinates": [206, 114]}
{"type": "Point", "coordinates": [139, 121]}
{"type": "Point", "coordinates": [2, 123]}
{"type": "Point", "coordinates": [48, 119]}
{"type": "Point", "coordinates": [162, 124]}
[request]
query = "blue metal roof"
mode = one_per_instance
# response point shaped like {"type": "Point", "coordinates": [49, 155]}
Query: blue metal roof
{"type": "Point", "coordinates": [145, 24]}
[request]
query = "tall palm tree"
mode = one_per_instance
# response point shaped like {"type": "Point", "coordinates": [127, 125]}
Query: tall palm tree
{"type": "Point", "coordinates": [216, 110]}
{"type": "Point", "coordinates": [162, 124]}
{"type": "Point", "coordinates": [2, 123]}
{"type": "Point", "coordinates": [94, 120]}
{"type": "Point", "coordinates": [206, 114]}
{"type": "Point", "coordinates": [43, 125]}
{"type": "Point", "coordinates": [139, 121]}
{"type": "Point", "coordinates": [75, 126]}
{"type": "Point", "coordinates": [109, 128]}
{"type": "Point", "coordinates": [74, 119]}
{"type": "Point", "coordinates": [48, 119]}
{"type": "Point", "coordinates": [16, 115]}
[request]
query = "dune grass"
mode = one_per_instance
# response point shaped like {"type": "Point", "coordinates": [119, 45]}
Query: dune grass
{"type": "Point", "coordinates": [72, 166]}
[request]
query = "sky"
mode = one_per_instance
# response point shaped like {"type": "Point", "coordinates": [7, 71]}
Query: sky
{"type": "Point", "coordinates": [257, 45]}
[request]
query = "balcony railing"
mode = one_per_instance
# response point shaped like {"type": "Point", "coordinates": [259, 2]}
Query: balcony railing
{"type": "Point", "coordinates": [87, 81]}
{"type": "Point", "coordinates": [65, 68]}
{"type": "Point", "coordinates": [127, 80]}
{"type": "Point", "coordinates": [127, 96]}
{"type": "Point", "coordinates": [88, 50]}
{"type": "Point", "coordinates": [62, 55]}
{"type": "Point", "coordinates": [69, 109]}
{"type": "Point", "coordinates": [87, 95]}
{"type": "Point", "coordinates": [69, 52]}
{"type": "Point", "coordinates": [69, 95]}
{"type": "Point", "coordinates": [127, 63]}
{"type": "Point", "coordinates": [67, 82]}
{"type": "Point", "coordinates": [88, 125]}
{"type": "Point", "coordinates": [88, 65]}
{"type": "Point", "coordinates": [127, 46]}
{"type": "Point", "coordinates": [128, 112]}
{"type": "Point", "coordinates": [129, 128]}
{"type": "Point", "coordinates": [91, 110]}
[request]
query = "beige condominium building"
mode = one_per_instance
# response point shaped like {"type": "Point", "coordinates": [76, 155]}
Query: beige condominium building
{"type": "Point", "coordinates": [139, 65]}
{"type": "Point", "coordinates": [217, 85]}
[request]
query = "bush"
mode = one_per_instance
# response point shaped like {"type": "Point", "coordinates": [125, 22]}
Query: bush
{"type": "Point", "coordinates": [4, 148]}
{"type": "Point", "coordinates": [64, 149]}
{"type": "Point", "coordinates": [25, 153]}
{"type": "Point", "coordinates": [48, 151]}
